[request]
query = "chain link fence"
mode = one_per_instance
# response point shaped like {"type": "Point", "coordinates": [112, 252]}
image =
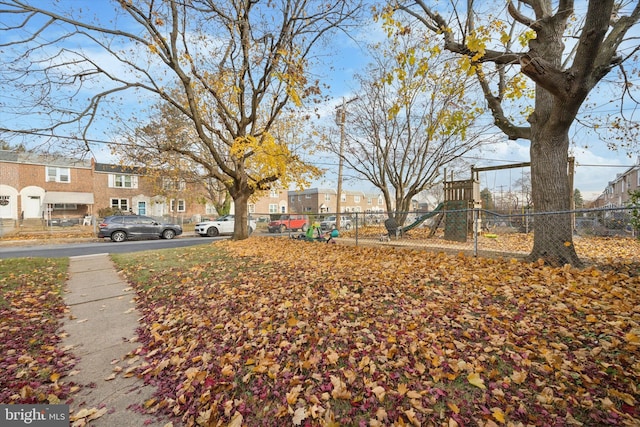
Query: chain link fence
{"type": "Point", "coordinates": [598, 234]}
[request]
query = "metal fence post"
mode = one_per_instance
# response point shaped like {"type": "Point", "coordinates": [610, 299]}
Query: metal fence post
{"type": "Point", "coordinates": [357, 226]}
{"type": "Point", "coordinates": [476, 217]}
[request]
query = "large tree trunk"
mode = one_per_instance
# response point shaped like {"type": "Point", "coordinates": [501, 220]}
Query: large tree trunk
{"type": "Point", "coordinates": [550, 186]}
{"type": "Point", "coordinates": [241, 194]}
{"type": "Point", "coordinates": [553, 234]}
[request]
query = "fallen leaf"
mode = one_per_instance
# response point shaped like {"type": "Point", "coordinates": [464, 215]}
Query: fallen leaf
{"type": "Point", "coordinates": [474, 379]}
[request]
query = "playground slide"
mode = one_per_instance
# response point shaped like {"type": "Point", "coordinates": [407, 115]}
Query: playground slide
{"type": "Point", "coordinates": [423, 218]}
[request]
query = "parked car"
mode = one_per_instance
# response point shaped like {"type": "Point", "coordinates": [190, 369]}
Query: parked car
{"type": "Point", "coordinates": [123, 227]}
{"type": "Point", "coordinates": [220, 226]}
{"type": "Point", "coordinates": [289, 222]}
{"type": "Point", "coordinates": [329, 223]}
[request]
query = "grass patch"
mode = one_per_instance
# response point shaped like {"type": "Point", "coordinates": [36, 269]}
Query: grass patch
{"type": "Point", "coordinates": [31, 307]}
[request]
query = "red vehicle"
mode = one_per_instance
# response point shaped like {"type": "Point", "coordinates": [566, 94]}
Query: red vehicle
{"type": "Point", "coordinates": [289, 222]}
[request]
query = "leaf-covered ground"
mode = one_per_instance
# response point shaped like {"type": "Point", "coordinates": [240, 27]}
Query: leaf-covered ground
{"type": "Point", "coordinates": [32, 365]}
{"type": "Point", "coordinates": [282, 332]}
{"type": "Point", "coordinates": [590, 248]}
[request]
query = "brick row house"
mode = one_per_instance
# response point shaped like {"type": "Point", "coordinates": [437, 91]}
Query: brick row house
{"type": "Point", "coordinates": [616, 195]}
{"type": "Point", "coordinates": [324, 200]}
{"type": "Point", "coordinates": [36, 186]}
{"type": "Point", "coordinates": [46, 187]}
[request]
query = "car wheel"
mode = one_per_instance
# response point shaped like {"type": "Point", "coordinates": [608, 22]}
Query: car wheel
{"type": "Point", "coordinates": [212, 232]}
{"type": "Point", "coordinates": [250, 230]}
{"type": "Point", "coordinates": [283, 228]}
{"type": "Point", "coordinates": [118, 236]}
{"type": "Point", "coordinates": [304, 228]}
{"type": "Point", "coordinates": [168, 234]}
{"type": "Point", "coordinates": [347, 226]}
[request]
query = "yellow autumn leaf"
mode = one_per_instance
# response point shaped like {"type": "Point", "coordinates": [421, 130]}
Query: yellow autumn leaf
{"type": "Point", "coordinates": [518, 377]}
{"type": "Point", "coordinates": [332, 356]}
{"type": "Point", "coordinates": [474, 379]}
{"type": "Point", "coordinates": [299, 415]}
{"type": "Point", "coordinates": [631, 338]}
{"type": "Point", "coordinates": [228, 371]}
{"type": "Point", "coordinates": [411, 394]}
{"type": "Point", "coordinates": [497, 414]}
{"type": "Point", "coordinates": [292, 396]}
{"type": "Point", "coordinates": [380, 392]}
{"type": "Point", "coordinates": [236, 421]}
{"type": "Point", "coordinates": [402, 389]}
{"type": "Point", "coordinates": [454, 408]}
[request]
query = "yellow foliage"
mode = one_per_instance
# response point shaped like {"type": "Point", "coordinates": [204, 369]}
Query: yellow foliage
{"type": "Point", "coordinates": [524, 38]}
{"type": "Point", "coordinates": [518, 87]}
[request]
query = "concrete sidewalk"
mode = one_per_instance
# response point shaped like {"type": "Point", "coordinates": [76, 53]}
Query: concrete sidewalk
{"type": "Point", "coordinates": [101, 329]}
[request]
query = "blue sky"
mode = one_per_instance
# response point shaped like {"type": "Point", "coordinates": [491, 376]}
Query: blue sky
{"type": "Point", "coordinates": [347, 56]}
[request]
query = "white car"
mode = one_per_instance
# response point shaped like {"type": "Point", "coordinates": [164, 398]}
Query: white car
{"type": "Point", "coordinates": [220, 226]}
{"type": "Point", "coordinates": [330, 223]}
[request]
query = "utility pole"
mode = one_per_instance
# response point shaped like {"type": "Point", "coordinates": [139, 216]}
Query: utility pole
{"type": "Point", "coordinates": [341, 117]}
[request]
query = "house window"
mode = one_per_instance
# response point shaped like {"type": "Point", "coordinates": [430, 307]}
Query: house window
{"type": "Point", "coordinates": [123, 181]}
{"type": "Point", "coordinates": [177, 205]}
{"type": "Point", "coordinates": [65, 206]}
{"type": "Point", "coordinates": [380, 201]}
{"type": "Point", "coordinates": [369, 201]}
{"type": "Point", "coordinates": [327, 197]}
{"type": "Point", "coordinates": [307, 196]}
{"type": "Point", "coordinates": [172, 184]}
{"type": "Point", "coordinates": [273, 193]}
{"type": "Point", "coordinates": [343, 197]}
{"type": "Point", "coordinates": [293, 199]}
{"type": "Point", "coordinates": [252, 208]}
{"type": "Point", "coordinates": [273, 208]}
{"type": "Point", "coordinates": [121, 204]}
{"type": "Point", "coordinates": [56, 174]}
{"type": "Point", "coordinates": [356, 199]}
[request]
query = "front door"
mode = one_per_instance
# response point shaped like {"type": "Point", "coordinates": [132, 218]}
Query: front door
{"type": "Point", "coordinates": [31, 206]}
{"type": "Point", "coordinates": [142, 208]}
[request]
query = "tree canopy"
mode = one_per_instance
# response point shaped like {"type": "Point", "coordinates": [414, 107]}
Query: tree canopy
{"type": "Point", "coordinates": [231, 70]}
{"type": "Point", "coordinates": [407, 120]}
{"type": "Point", "coordinates": [564, 48]}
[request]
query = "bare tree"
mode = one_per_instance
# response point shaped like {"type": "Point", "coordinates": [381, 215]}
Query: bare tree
{"type": "Point", "coordinates": [400, 133]}
{"type": "Point", "coordinates": [563, 80]}
{"type": "Point", "coordinates": [230, 68]}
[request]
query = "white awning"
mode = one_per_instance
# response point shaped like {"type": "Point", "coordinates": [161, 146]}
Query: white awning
{"type": "Point", "coordinates": [68, 197]}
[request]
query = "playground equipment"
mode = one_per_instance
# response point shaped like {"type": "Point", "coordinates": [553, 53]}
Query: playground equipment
{"type": "Point", "coordinates": [461, 205]}
{"type": "Point", "coordinates": [459, 198]}
{"type": "Point", "coordinates": [423, 218]}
